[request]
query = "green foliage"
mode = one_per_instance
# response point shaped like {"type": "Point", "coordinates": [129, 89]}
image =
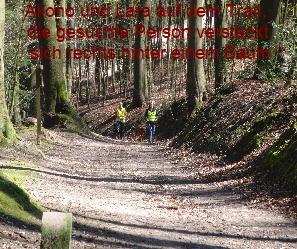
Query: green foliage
{"type": "Point", "coordinates": [215, 139]}
{"type": "Point", "coordinates": [18, 66]}
{"type": "Point", "coordinates": [245, 73]}
{"type": "Point", "coordinates": [272, 70]}
{"type": "Point", "coordinates": [287, 37]}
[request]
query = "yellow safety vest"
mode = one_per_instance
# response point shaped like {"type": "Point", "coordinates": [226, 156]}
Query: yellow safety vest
{"type": "Point", "coordinates": [152, 115]}
{"type": "Point", "coordinates": [121, 114]}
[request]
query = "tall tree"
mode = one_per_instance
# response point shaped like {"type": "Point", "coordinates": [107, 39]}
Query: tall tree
{"type": "Point", "coordinates": [56, 99]}
{"type": "Point", "coordinates": [70, 61]}
{"type": "Point", "coordinates": [220, 44]}
{"type": "Point", "coordinates": [293, 67]}
{"type": "Point", "coordinates": [270, 10]}
{"type": "Point", "coordinates": [61, 24]}
{"type": "Point", "coordinates": [6, 127]}
{"type": "Point", "coordinates": [139, 91]}
{"type": "Point", "coordinates": [196, 81]}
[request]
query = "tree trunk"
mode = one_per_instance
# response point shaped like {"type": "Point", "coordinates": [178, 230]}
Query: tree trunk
{"type": "Point", "coordinates": [271, 10]}
{"type": "Point", "coordinates": [70, 61]}
{"type": "Point", "coordinates": [293, 66]}
{"type": "Point", "coordinates": [56, 99]}
{"type": "Point", "coordinates": [196, 82]}
{"type": "Point", "coordinates": [168, 40]}
{"type": "Point", "coordinates": [139, 91]}
{"type": "Point", "coordinates": [61, 23]}
{"type": "Point", "coordinates": [98, 75]}
{"type": "Point", "coordinates": [220, 44]}
{"type": "Point", "coordinates": [6, 128]}
{"type": "Point", "coordinates": [17, 120]}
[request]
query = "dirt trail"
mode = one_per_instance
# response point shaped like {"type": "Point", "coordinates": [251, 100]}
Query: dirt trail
{"type": "Point", "coordinates": [127, 195]}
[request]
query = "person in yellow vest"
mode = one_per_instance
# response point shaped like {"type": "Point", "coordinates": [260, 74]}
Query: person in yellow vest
{"type": "Point", "coordinates": [151, 116]}
{"type": "Point", "coordinates": [121, 115]}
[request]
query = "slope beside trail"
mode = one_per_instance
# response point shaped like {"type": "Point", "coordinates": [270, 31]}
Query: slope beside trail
{"type": "Point", "coordinates": [124, 194]}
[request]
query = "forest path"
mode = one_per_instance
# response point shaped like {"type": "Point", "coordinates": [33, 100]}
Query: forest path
{"type": "Point", "coordinates": [127, 195]}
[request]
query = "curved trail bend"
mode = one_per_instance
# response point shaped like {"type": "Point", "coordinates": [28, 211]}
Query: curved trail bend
{"type": "Point", "coordinates": [127, 195]}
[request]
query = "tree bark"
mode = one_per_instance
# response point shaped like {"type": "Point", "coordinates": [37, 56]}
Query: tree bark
{"type": "Point", "coordinates": [6, 128]}
{"type": "Point", "coordinates": [56, 99]}
{"type": "Point", "coordinates": [220, 44]}
{"type": "Point", "coordinates": [293, 66]}
{"type": "Point", "coordinates": [139, 91]}
{"type": "Point", "coordinates": [61, 23]}
{"type": "Point", "coordinates": [196, 82]}
{"type": "Point", "coordinates": [270, 9]}
{"type": "Point", "coordinates": [70, 61]}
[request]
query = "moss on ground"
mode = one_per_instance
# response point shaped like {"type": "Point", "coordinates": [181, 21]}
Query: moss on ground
{"type": "Point", "coordinates": [24, 129]}
{"type": "Point", "coordinates": [14, 200]}
{"type": "Point", "coordinates": [16, 203]}
{"type": "Point", "coordinates": [252, 138]}
{"type": "Point", "coordinates": [4, 142]}
{"type": "Point", "coordinates": [281, 158]}
{"type": "Point", "coordinates": [72, 122]}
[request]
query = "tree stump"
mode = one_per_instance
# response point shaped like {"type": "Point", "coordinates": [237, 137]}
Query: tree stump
{"type": "Point", "coordinates": [56, 230]}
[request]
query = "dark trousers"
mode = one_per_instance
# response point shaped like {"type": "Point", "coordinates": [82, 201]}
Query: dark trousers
{"type": "Point", "coordinates": [121, 128]}
{"type": "Point", "coordinates": [151, 126]}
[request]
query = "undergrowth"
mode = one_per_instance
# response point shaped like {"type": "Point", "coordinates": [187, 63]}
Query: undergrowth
{"type": "Point", "coordinates": [256, 127]}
